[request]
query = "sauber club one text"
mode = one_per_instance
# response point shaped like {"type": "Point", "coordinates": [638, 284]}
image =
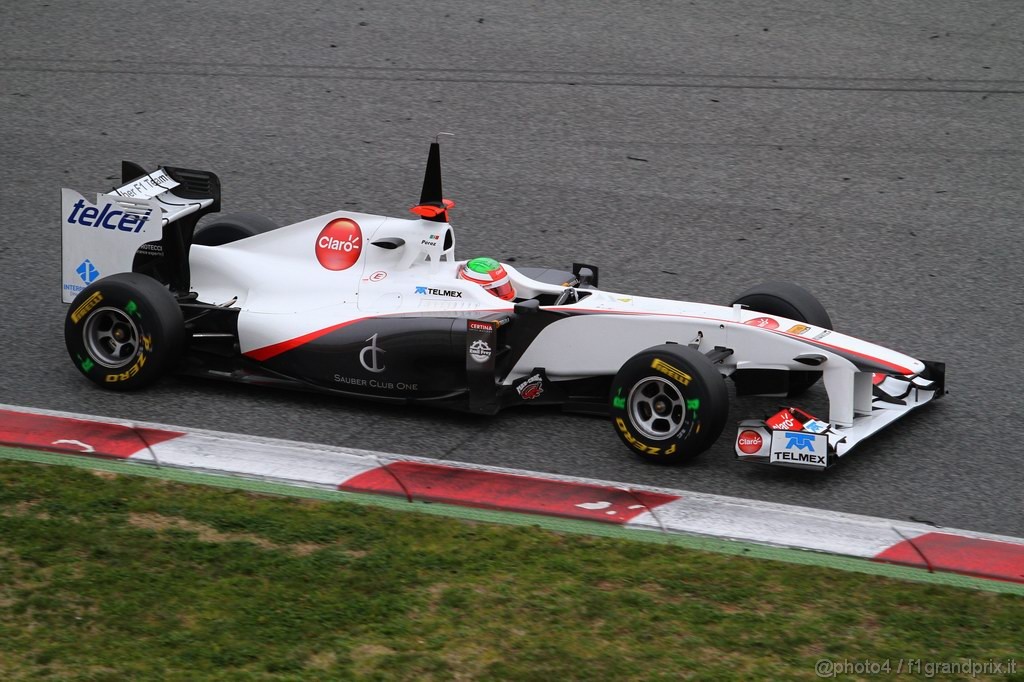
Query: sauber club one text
{"type": "Point", "coordinates": [376, 383]}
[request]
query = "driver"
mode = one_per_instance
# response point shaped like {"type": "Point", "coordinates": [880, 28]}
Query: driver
{"type": "Point", "coordinates": [489, 274]}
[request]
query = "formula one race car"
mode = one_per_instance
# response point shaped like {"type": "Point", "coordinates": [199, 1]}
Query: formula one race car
{"type": "Point", "coordinates": [380, 308]}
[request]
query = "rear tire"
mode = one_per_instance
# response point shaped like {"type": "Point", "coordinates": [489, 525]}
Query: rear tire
{"type": "Point", "coordinates": [231, 228]}
{"type": "Point", "coordinates": [669, 403]}
{"type": "Point", "coordinates": [789, 300]}
{"type": "Point", "coordinates": [125, 331]}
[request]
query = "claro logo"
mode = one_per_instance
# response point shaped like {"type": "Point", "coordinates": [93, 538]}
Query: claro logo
{"type": "Point", "coordinates": [339, 244]}
{"type": "Point", "coordinates": [749, 442]}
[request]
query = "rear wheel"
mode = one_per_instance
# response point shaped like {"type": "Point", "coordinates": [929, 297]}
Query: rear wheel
{"type": "Point", "coordinates": [789, 300]}
{"type": "Point", "coordinates": [669, 403]}
{"type": "Point", "coordinates": [232, 227]}
{"type": "Point", "coordinates": [125, 331]}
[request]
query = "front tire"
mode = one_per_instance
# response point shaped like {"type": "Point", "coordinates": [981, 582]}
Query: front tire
{"type": "Point", "coordinates": [669, 403]}
{"type": "Point", "coordinates": [124, 331]}
{"type": "Point", "coordinates": [789, 300]}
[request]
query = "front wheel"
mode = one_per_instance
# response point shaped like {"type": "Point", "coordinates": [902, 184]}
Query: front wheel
{"type": "Point", "coordinates": [669, 403]}
{"type": "Point", "coordinates": [789, 300]}
{"type": "Point", "coordinates": [124, 331]}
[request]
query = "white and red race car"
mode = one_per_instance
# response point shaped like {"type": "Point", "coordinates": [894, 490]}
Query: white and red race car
{"type": "Point", "coordinates": [380, 308]}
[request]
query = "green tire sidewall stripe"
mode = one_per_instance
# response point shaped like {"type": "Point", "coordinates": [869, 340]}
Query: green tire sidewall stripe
{"type": "Point", "coordinates": [694, 542]}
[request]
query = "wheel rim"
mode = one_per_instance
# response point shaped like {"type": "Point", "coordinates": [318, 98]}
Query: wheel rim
{"type": "Point", "coordinates": [657, 408]}
{"type": "Point", "coordinates": [111, 337]}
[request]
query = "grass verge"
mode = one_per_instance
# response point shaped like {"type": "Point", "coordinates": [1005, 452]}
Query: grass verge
{"type": "Point", "coordinates": [105, 576]}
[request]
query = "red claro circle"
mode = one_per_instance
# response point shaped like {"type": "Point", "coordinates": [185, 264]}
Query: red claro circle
{"type": "Point", "coordinates": [749, 442]}
{"type": "Point", "coordinates": [339, 244]}
{"type": "Point", "coordinates": [763, 323]}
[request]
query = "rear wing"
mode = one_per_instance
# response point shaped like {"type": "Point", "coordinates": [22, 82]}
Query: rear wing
{"type": "Point", "coordinates": [145, 225]}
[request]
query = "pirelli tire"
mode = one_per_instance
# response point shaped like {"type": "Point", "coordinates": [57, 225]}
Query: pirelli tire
{"type": "Point", "coordinates": [231, 228]}
{"type": "Point", "coordinates": [792, 301]}
{"type": "Point", "coordinates": [125, 331]}
{"type": "Point", "coordinates": [669, 403]}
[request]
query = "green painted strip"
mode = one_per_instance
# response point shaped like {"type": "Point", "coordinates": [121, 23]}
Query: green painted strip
{"type": "Point", "coordinates": [707, 544]}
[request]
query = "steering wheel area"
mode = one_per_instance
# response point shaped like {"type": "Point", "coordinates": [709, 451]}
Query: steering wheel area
{"type": "Point", "coordinates": [568, 295]}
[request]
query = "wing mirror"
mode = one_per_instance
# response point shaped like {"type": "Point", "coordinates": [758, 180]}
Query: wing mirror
{"type": "Point", "coordinates": [527, 307]}
{"type": "Point", "coordinates": [586, 274]}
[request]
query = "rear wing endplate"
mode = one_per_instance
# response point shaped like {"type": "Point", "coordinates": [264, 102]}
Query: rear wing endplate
{"type": "Point", "coordinates": [145, 225]}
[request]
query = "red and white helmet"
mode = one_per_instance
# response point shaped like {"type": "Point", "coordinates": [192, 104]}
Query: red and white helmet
{"type": "Point", "coordinates": [489, 274]}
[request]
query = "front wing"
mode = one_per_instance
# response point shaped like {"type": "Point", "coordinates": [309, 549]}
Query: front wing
{"type": "Point", "coordinates": [793, 438]}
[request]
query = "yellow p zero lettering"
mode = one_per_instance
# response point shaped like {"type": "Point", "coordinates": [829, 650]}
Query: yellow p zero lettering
{"type": "Point", "coordinates": [642, 447]}
{"type": "Point", "coordinates": [622, 425]}
{"type": "Point", "coordinates": [83, 310]}
{"type": "Point", "coordinates": [147, 342]}
{"type": "Point", "coordinates": [671, 372]}
{"type": "Point", "coordinates": [129, 373]}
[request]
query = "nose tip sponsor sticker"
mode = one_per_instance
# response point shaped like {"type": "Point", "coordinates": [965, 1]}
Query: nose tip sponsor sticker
{"type": "Point", "coordinates": [784, 421]}
{"type": "Point", "coordinates": [808, 449]}
{"type": "Point", "coordinates": [339, 244]}
{"type": "Point", "coordinates": [749, 442]}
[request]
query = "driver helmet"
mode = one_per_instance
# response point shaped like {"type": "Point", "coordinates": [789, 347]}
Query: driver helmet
{"type": "Point", "coordinates": [489, 274]}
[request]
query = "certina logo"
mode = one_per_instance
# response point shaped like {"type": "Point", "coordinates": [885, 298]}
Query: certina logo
{"type": "Point", "coordinates": [531, 388]}
{"type": "Point", "coordinates": [107, 217]}
{"type": "Point", "coordinates": [479, 351]}
{"type": "Point", "coordinates": [370, 356]}
{"type": "Point", "coordinates": [87, 271]}
{"type": "Point", "coordinates": [749, 442]}
{"type": "Point", "coordinates": [339, 244]}
{"type": "Point", "coordinates": [431, 291]}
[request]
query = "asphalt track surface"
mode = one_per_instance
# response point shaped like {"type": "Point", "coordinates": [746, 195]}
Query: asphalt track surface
{"type": "Point", "coordinates": [870, 151]}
